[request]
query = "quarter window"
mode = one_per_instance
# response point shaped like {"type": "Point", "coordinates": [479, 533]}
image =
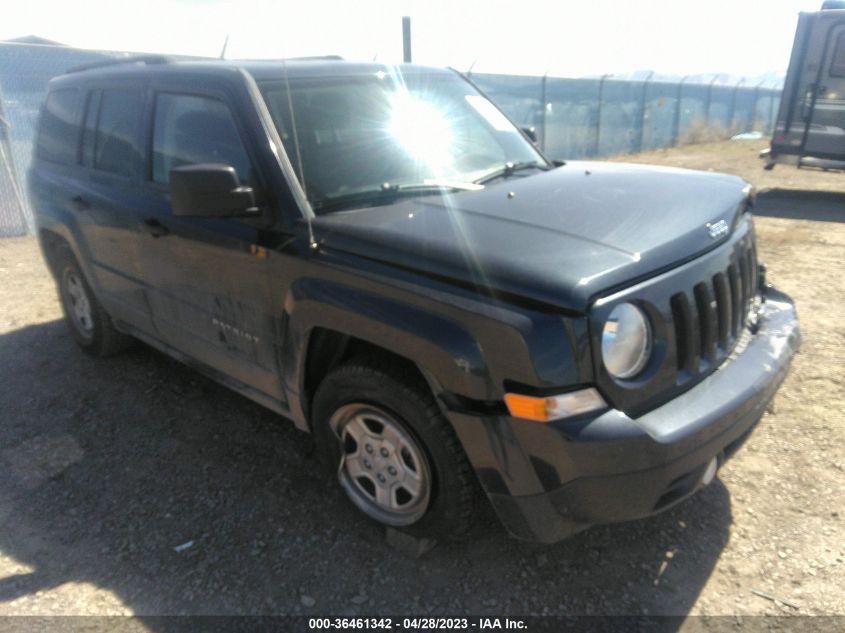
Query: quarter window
{"type": "Point", "coordinates": [837, 66]}
{"type": "Point", "coordinates": [58, 132]}
{"type": "Point", "coordinates": [191, 129]}
{"type": "Point", "coordinates": [89, 128]}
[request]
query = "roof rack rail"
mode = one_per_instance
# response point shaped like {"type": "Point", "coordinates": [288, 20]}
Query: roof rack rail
{"type": "Point", "coordinates": [306, 58]}
{"type": "Point", "coordinates": [137, 59]}
{"type": "Point", "coordinates": [315, 58]}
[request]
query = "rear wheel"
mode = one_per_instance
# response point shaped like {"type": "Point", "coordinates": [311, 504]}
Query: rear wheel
{"type": "Point", "coordinates": [90, 325]}
{"type": "Point", "coordinates": [77, 303]}
{"type": "Point", "coordinates": [381, 433]}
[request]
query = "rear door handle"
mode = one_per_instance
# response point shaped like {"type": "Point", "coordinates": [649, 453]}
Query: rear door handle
{"type": "Point", "coordinates": [155, 228]}
{"type": "Point", "coordinates": [79, 203]}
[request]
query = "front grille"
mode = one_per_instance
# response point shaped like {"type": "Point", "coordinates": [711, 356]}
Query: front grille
{"type": "Point", "coordinates": [698, 312]}
{"type": "Point", "coordinates": [708, 318]}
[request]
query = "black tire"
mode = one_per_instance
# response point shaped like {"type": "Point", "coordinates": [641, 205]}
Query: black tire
{"type": "Point", "coordinates": [454, 491]}
{"type": "Point", "coordinates": [95, 333]}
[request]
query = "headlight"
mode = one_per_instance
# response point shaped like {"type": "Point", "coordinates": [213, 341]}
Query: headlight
{"type": "Point", "coordinates": [625, 341]}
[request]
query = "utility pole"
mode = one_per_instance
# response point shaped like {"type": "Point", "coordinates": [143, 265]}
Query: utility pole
{"type": "Point", "coordinates": [406, 39]}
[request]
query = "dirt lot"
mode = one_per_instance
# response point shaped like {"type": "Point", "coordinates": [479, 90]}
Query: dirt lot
{"type": "Point", "coordinates": [107, 466]}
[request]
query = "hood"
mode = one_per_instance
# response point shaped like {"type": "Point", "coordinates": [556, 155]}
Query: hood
{"type": "Point", "coordinates": [561, 237]}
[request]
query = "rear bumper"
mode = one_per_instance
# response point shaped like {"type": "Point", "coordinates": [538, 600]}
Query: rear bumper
{"type": "Point", "coordinates": [611, 468]}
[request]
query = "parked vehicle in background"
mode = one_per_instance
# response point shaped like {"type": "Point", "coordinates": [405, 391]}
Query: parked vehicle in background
{"type": "Point", "coordinates": [380, 255]}
{"type": "Point", "coordinates": [810, 126]}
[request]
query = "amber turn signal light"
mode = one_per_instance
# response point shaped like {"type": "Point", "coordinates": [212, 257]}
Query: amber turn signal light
{"type": "Point", "coordinates": [546, 409]}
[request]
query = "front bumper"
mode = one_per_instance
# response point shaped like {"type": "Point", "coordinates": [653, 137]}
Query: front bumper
{"type": "Point", "coordinates": [548, 481]}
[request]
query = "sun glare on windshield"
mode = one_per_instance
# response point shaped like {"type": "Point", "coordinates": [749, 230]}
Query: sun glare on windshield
{"type": "Point", "coordinates": [351, 136]}
{"type": "Point", "coordinates": [422, 130]}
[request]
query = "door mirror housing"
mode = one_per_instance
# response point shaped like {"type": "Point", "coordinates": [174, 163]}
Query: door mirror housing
{"type": "Point", "coordinates": [210, 190]}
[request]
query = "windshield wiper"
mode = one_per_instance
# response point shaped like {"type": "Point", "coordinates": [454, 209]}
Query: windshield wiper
{"type": "Point", "coordinates": [511, 167]}
{"type": "Point", "coordinates": [436, 183]}
{"type": "Point", "coordinates": [387, 193]}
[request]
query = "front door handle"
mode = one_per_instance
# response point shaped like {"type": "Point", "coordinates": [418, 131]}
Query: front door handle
{"type": "Point", "coordinates": [79, 203]}
{"type": "Point", "coordinates": [155, 228]}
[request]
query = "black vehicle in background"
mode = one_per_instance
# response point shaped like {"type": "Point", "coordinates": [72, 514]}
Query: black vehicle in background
{"type": "Point", "coordinates": [378, 254]}
{"type": "Point", "coordinates": [810, 126]}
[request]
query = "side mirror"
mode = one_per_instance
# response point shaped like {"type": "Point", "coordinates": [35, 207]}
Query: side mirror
{"type": "Point", "coordinates": [210, 190]}
{"type": "Point", "coordinates": [531, 132]}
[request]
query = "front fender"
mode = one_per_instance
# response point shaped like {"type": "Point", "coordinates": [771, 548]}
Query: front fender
{"type": "Point", "coordinates": [439, 346]}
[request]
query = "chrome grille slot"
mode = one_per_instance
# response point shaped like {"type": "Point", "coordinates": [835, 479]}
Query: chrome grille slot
{"type": "Point", "coordinates": [685, 339]}
{"type": "Point", "coordinates": [736, 300]}
{"type": "Point", "coordinates": [752, 263]}
{"type": "Point", "coordinates": [708, 325]}
{"type": "Point", "coordinates": [723, 309]}
{"type": "Point", "coordinates": [745, 280]}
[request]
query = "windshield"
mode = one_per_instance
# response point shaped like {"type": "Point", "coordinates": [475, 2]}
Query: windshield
{"type": "Point", "coordinates": [387, 133]}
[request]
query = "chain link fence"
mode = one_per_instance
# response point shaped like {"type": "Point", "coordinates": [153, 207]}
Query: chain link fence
{"type": "Point", "coordinates": [25, 70]}
{"type": "Point", "coordinates": [573, 118]}
{"type": "Point", "coordinates": [590, 118]}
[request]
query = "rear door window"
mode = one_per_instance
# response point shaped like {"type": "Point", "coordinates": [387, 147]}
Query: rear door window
{"type": "Point", "coordinates": [193, 129]}
{"type": "Point", "coordinates": [116, 136]}
{"type": "Point", "coordinates": [59, 131]}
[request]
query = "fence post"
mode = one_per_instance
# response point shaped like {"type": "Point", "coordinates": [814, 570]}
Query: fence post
{"type": "Point", "coordinates": [709, 101]}
{"type": "Point", "coordinates": [676, 124]}
{"type": "Point", "coordinates": [733, 104]}
{"type": "Point", "coordinates": [772, 122]}
{"type": "Point", "coordinates": [544, 111]}
{"type": "Point", "coordinates": [643, 110]}
{"type": "Point", "coordinates": [756, 102]}
{"type": "Point", "coordinates": [598, 114]}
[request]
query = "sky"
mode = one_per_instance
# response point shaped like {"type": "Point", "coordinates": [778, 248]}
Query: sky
{"type": "Point", "coordinates": [560, 37]}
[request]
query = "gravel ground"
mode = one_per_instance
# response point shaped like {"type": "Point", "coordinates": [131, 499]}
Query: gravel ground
{"type": "Point", "coordinates": [136, 486]}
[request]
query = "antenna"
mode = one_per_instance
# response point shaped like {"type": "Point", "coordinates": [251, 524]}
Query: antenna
{"type": "Point", "coordinates": [225, 44]}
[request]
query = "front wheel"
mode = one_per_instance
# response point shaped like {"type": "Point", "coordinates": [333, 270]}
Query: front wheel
{"type": "Point", "coordinates": [381, 433]}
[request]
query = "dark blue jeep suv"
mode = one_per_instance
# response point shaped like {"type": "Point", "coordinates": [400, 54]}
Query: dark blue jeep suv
{"type": "Point", "coordinates": [378, 254]}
